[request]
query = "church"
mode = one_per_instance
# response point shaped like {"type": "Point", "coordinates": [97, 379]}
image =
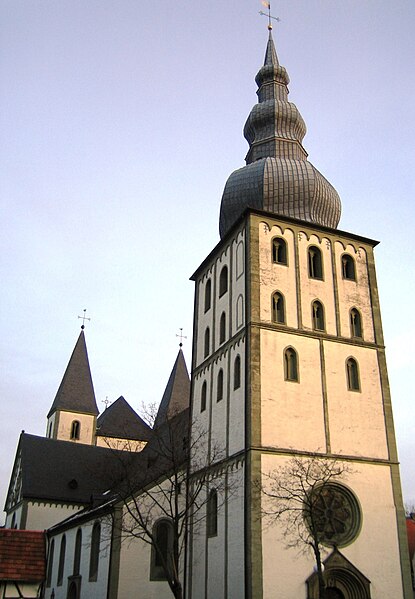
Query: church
{"type": "Point", "coordinates": [288, 366]}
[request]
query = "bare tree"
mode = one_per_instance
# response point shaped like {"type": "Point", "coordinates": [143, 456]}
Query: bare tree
{"type": "Point", "coordinates": [303, 497]}
{"type": "Point", "coordinates": [156, 486]}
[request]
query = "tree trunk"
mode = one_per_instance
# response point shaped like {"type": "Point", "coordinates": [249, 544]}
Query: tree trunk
{"type": "Point", "coordinates": [320, 577]}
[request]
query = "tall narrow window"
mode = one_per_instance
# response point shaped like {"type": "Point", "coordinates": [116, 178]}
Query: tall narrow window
{"type": "Point", "coordinates": [77, 554]}
{"type": "Point", "coordinates": [278, 308]}
{"type": "Point", "coordinates": [237, 373]}
{"type": "Point", "coordinates": [212, 514]}
{"type": "Point", "coordinates": [208, 294]}
{"type": "Point", "coordinates": [61, 560]}
{"type": "Point", "coordinates": [355, 323]}
{"type": "Point", "coordinates": [352, 371]}
{"type": "Point", "coordinates": [290, 365]}
{"type": "Point", "coordinates": [50, 563]}
{"type": "Point", "coordinates": [203, 395]}
{"type": "Point", "coordinates": [317, 313]}
{"type": "Point", "coordinates": [315, 263]}
{"type": "Point", "coordinates": [75, 430]}
{"type": "Point", "coordinates": [219, 386]}
{"type": "Point", "coordinates": [223, 281]}
{"type": "Point", "coordinates": [207, 342]}
{"type": "Point", "coordinates": [94, 555]}
{"type": "Point", "coordinates": [279, 250]}
{"type": "Point", "coordinates": [162, 550]}
{"type": "Point", "coordinates": [222, 328]}
{"type": "Point", "coordinates": [348, 268]}
{"type": "Point", "coordinates": [239, 311]}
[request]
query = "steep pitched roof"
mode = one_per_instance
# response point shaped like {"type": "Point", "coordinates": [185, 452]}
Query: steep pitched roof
{"type": "Point", "coordinates": [121, 421]}
{"type": "Point", "coordinates": [76, 391]}
{"type": "Point", "coordinates": [55, 470]}
{"type": "Point", "coordinates": [176, 397]}
{"type": "Point", "coordinates": [22, 555]}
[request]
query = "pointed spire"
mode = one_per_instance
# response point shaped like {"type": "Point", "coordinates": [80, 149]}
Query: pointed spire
{"type": "Point", "coordinates": [76, 391]}
{"type": "Point", "coordinates": [176, 396]}
{"type": "Point", "coordinates": [271, 57]}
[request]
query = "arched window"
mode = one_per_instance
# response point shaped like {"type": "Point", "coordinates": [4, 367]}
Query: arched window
{"type": "Point", "coordinates": [61, 566]}
{"type": "Point", "coordinates": [239, 311]}
{"type": "Point", "coordinates": [315, 263]}
{"type": "Point", "coordinates": [94, 555]}
{"type": "Point", "coordinates": [212, 514]}
{"type": "Point", "coordinates": [14, 523]}
{"type": "Point", "coordinates": [348, 268]}
{"type": "Point", "coordinates": [222, 328]}
{"type": "Point", "coordinates": [278, 308]}
{"type": "Point", "coordinates": [219, 386]}
{"type": "Point", "coordinates": [77, 554]}
{"type": "Point", "coordinates": [203, 397]}
{"type": "Point", "coordinates": [355, 323]}
{"type": "Point", "coordinates": [75, 429]}
{"type": "Point", "coordinates": [161, 550]}
{"type": "Point", "coordinates": [223, 281]}
{"type": "Point", "coordinates": [290, 365]}
{"type": "Point", "coordinates": [239, 259]}
{"type": "Point", "coordinates": [317, 314]}
{"type": "Point", "coordinates": [279, 251]}
{"type": "Point", "coordinates": [50, 563]}
{"type": "Point", "coordinates": [207, 342]}
{"type": "Point", "coordinates": [237, 372]}
{"type": "Point", "coordinates": [352, 371]}
{"type": "Point", "coordinates": [208, 294]}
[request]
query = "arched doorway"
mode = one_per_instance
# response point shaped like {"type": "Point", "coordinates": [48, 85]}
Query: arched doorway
{"type": "Point", "coordinates": [333, 593]}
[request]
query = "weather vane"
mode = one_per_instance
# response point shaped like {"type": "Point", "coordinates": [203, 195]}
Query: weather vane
{"type": "Point", "coordinates": [83, 318]}
{"type": "Point", "coordinates": [261, 12]}
{"type": "Point", "coordinates": [181, 336]}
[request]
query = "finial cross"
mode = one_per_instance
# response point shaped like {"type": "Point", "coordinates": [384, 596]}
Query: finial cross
{"type": "Point", "coordinates": [181, 336]}
{"type": "Point", "coordinates": [83, 318]}
{"type": "Point", "coordinates": [106, 401]}
{"type": "Point", "coordinates": [261, 12]}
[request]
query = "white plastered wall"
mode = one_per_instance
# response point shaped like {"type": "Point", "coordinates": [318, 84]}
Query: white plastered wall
{"type": "Point", "coordinates": [287, 569]}
{"type": "Point", "coordinates": [87, 428]}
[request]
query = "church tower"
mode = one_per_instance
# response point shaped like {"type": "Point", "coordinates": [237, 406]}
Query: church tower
{"type": "Point", "coordinates": [289, 362]}
{"type": "Point", "coordinates": [74, 411]}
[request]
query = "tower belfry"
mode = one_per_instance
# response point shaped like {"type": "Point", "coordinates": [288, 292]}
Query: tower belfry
{"type": "Point", "coordinates": [72, 416]}
{"type": "Point", "coordinates": [289, 362]}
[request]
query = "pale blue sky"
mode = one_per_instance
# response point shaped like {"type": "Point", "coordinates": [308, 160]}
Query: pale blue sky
{"type": "Point", "coordinates": [121, 121]}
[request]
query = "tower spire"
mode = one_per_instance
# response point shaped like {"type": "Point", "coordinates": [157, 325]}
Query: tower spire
{"type": "Point", "coordinates": [277, 177]}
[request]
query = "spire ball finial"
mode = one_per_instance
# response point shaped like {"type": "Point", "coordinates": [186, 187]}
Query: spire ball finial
{"type": "Point", "coordinates": [181, 337]}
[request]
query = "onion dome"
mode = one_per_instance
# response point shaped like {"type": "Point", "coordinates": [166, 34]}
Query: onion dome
{"type": "Point", "coordinates": [277, 177]}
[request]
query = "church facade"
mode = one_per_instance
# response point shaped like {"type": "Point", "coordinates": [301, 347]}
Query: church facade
{"type": "Point", "coordinates": [288, 367]}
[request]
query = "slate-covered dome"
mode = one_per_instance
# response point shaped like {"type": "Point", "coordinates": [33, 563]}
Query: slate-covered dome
{"type": "Point", "coordinates": [278, 177]}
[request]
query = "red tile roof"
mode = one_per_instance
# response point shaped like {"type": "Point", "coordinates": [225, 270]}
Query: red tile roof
{"type": "Point", "coordinates": [410, 528]}
{"type": "Point", "coordinates": [22, 555]}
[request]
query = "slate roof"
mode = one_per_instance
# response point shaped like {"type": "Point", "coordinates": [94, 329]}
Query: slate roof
{"type": "Point", "coordinates": [121, 421]}
{"type": "Point", "coordinates": [64, 471]}
{"type": "Point", "coordinates": [176, 397]}
{"type": "Point", "coordinates": [76, 391]}
{"type": "Point", "coordinates": [22, 555]}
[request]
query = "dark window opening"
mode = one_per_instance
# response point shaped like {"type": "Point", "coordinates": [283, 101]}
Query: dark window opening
{"type": "Point", "coordinates": [318, 316]}
{"type": "Point", "coordinates": [75, 429]}
{"type": "Point", "coordinates": [207, 342]}
{"type": "Point", "coordinates": [222, 328]}
{"type": "Point", "coordinates": [208, 294]}
{"type": "Point", "coordinates": [94, 556]}
{"type": "Point", "coordinates": [219, 387]}
{"type": "Point", "coordinates": [279, 251]}
{"type": "Point", "coordinates": [77, 554]}
{"type": "Point", "coordinates": [223, 281]}
{"type": "Point", "coordinates": [237, 373]}
{"type": "Point", "coordinates": [203, 397]}
{"type": "Point", "coordinates": [162, 550]}
{"type": "Point", "coordinates": [278, 308]}
{"type": "Point", "coordinates": [212, 514]}
{"type": "Point", "coordinates": [290, 365]}
{"type": "Point", "coordinates": [315, 263]}
{"type": "Point", "coordinates": [348, 268]}
{"type": "Point", "coordinates": [61, 561]}
{"type": "Point", "coordinates": [355, 323]}
{"type": "Point", "coordinates": [352, 370]}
